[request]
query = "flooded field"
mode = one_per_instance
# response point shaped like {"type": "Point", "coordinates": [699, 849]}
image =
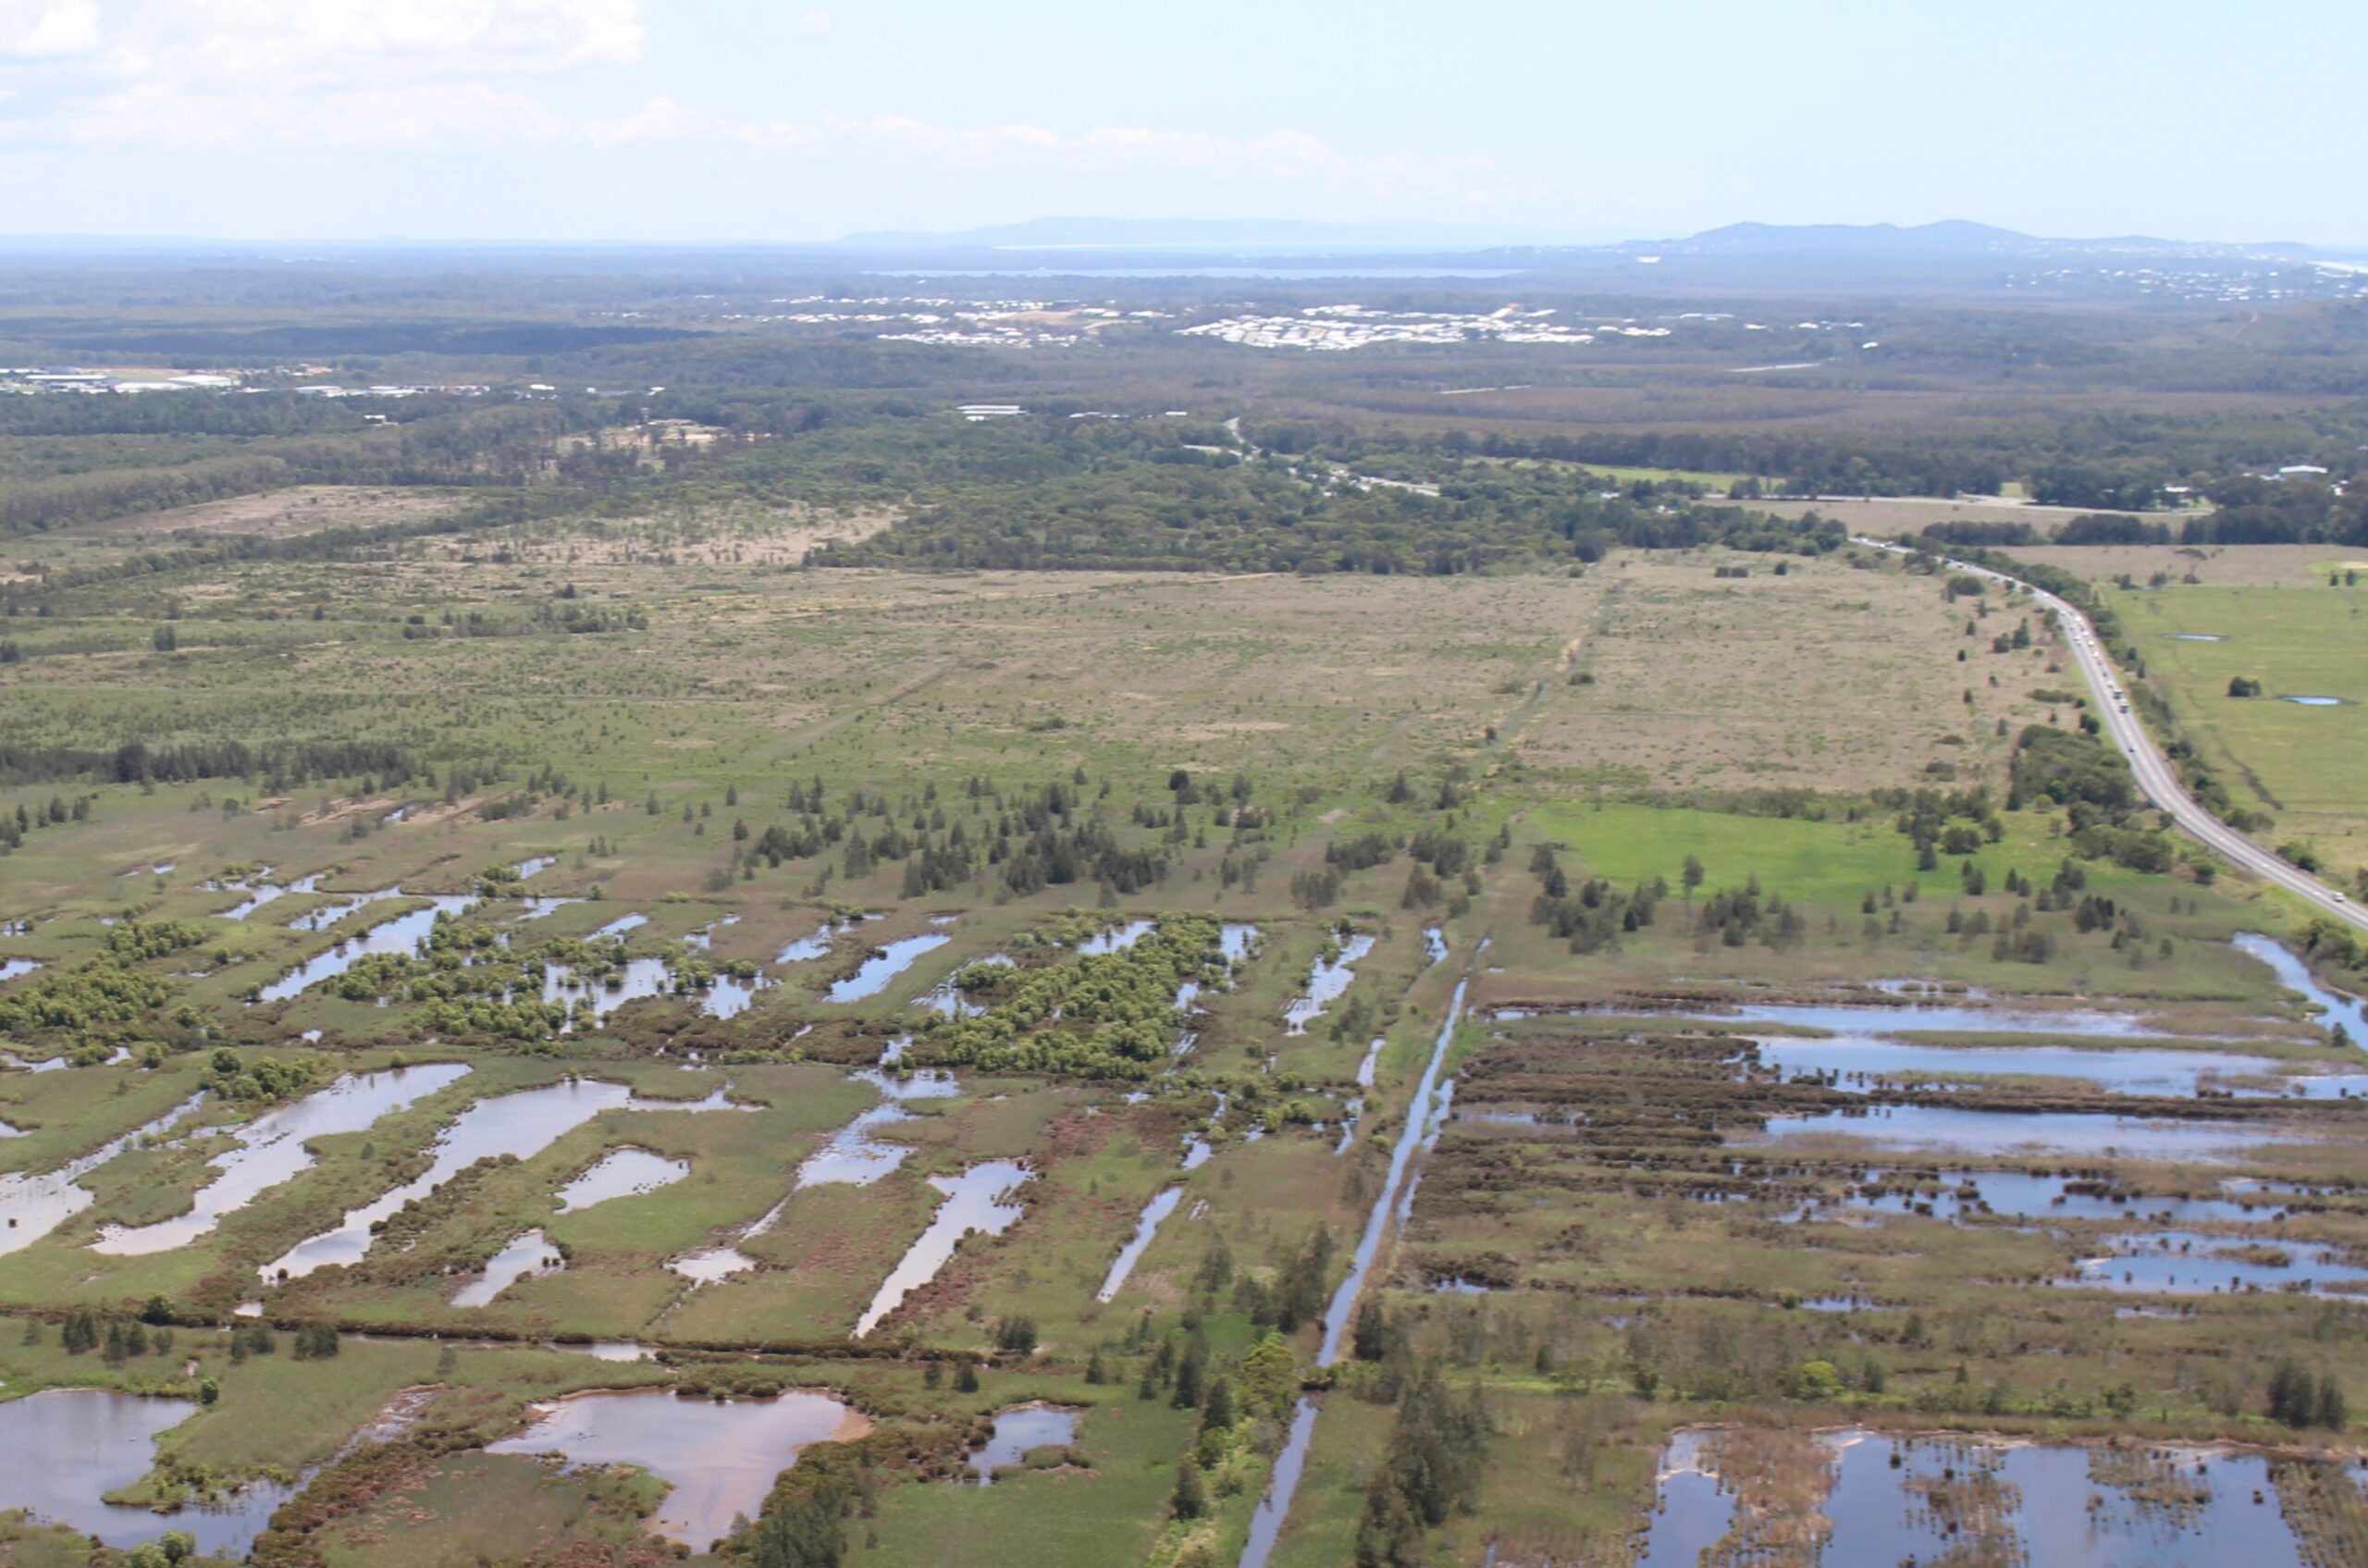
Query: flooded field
{"type": "Point", "coordinates": [885, 964]}
{"type": "Point", "coordinates": [1873, 1499]}
{"type": "Point", "coordinates": [1327, 978]}
{"type": "Point", "coordinates": [402, 934]}
{"type": "Point", "coordinates": [2001, 1132]}
{"type": "Point", "coordinates": [528, 1257]}
{"type": "Point", "coordinates": [1859, 1062]}
{"type": "Point", "coordinates": [271, 1149]}
{"type": "Point", "coordinates": [974, 1205]}
{"type": "Point", "coordinates": [522, 1124]}
{"type": "Point", "coordinates": [2186, 1263]}
{"type": "Point", "coordinates": [621, 1173]}
{"type": "Point", "coordinates": [718, 1457]}
{"type": "Point", "coordinates": [1019, 1433]}
{"type": "Point", "coordinates": [63, 1449]}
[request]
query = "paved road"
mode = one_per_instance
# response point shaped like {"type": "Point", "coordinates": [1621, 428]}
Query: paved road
{"type": "Point", "coordinates": [2153, 769]}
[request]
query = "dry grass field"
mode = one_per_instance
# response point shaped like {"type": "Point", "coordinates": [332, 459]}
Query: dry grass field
{"type": "Point", "coordinates": [1828, 677]}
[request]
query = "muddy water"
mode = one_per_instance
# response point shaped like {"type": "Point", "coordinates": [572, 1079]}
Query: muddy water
{"type": "Point", "coordinates": [523, 1123]}
{"type": "Point", "coordinates": [528, 1257]}
{"type": "Point", "coordinates": [1019, 1433]}
{"type": "Point", "coordinates": [402, 934]}
{"type": "Point", "coordinates": [892, 959]}
{"type": "Point", "coordinates": [271, 1149]}
{"type": "Point", "coordinates": [34, 1205]}
{"type": "Point", "coordinates": [719, 1459]}
{"type": "Point", "coordinates": [2057, 1513]}
{"type": "Point", "coordinates": [974, 1203]}
{"type": "Point", "coordinates": [1326, 978]}
{"type": "Point", "coordinates": [62, 1451]}
{"type": "Point", "coordinates": [1146, 1225]}
{"type": "Point", "coordinates": [621, 1173]}
{"type": "Point", "coordinates": [2001, 1132]}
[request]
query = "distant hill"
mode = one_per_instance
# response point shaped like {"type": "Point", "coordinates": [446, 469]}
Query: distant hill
{"type": "Point", "coordinates": [1239, 236]}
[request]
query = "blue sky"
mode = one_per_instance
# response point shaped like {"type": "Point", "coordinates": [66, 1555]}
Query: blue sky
{"type": "Point", "coordinates": [781, 120]}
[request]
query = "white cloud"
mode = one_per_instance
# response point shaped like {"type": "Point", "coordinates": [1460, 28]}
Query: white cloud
{"type": "Point", "coordinates": [816, 23]}
{"type": "Point", "coordinates": [37, 29]}
{"type": "Point", "coordinates": [268, 42]}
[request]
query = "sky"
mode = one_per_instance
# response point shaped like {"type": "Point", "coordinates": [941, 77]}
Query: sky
{"type": "Point", "coordinates": [779, 120]}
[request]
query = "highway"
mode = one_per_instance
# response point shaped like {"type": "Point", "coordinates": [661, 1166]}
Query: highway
{"type": "Point", "coordinates": [2152, 771]}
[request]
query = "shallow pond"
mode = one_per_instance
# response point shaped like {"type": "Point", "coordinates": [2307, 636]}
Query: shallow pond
{"type": "Point", "coordinates": [64, 1449]}
{"type": "Point", "coordinates": [1235, 940]}
{"type": "Point", "coordinates": [634, 977]}
{"type": "Point", "coordinates": [621, 1173]}
{"type": "Point", "coordinates": [2186, 1263]}
{"type": "Point", "coordinates": [1019, 1433]}
{"type": "Point", "coordinates": [2078, 1132]}
{"type": "Point", "coordinates": [974, 1203]}
{"type": "Point", "coordinates": [528, 1257]}
{"type": "Point", "coordinates": [719, 1459]}
{"type": "Point", "coordinates": [1885, 1019]}
{"type": "Point", "coordinates": [271, 1149]}
{"type": "Point", "coordinates": [35, 1204]}
{"type": "Point", "coordinates": [1326, 978]}
{"type": "Point", "coordinates": [727, 996]}
{"type": "Point", "coordinates": [1162, 1204]}
{"type": "Point", "coordinates": [807, 948]}
{"type": "Point", "coordinates": [885, 964]}
{"type": "Point", "coordinates": [2023, 1195]}
{"type": "Point", "coordinates": [1116, 939]}
{"type": "Point", "coordinates": [2315, 701]}
{"type": "Point", "coordinates": [1851, 1062]}
{"type": "Point", "coordinates": [10, 969]}
{"type": "Point", "coordinates": [523, 1123]}
{"type": "Point", "coordinates": [2336, 1010]}
{"type": "Point", "coordinates": [852, 1156]}
{"type": "Point", "coordinates": [620, 925]}
{"type": "Point", "coordinates": [1903, 1500]}
{"type": "Point", "coordinates": [259, 893]}
{"type": "Point", "coordinates": [402, 934]}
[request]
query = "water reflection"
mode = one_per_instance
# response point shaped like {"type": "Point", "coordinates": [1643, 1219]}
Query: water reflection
{"type": "Point", "coordinates": [885, 964]}
{"type": "Point", "coordinates": [523, 1123]}
{"type": "Point", "coordinates": [528, 1257]}
{"type": "Point", "coordinates": [1162, 1204]}
{"type": "Point", "coordinates": [621, 1173]}
{"type": "Point", "coordinates": [1020, 1432]}
{"type": "Point", "coordinates": [403, 935]}
{"type": "Point", "coordinates": [1893, 1500]}
{"type": "Point", "coordinates": [271, 1149]}
{"type": "Point", "coordinates": [974, 1203]}
{"type": "Point", "coordinates": [719, 1458]}
{"type": "Point", "coordinates": [1326, 978]}
{"type": "Point", "coordinates": [63, 1449]}
{"type": "Point", "coordinates": [1998, 1132]}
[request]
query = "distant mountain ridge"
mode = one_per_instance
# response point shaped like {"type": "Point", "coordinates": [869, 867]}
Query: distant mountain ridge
{"type": "Point", "coordinates": [1949, 239]}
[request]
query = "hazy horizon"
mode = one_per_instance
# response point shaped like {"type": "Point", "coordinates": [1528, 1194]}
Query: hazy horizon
{"type": "Point", "coordinates": [730, 122]}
